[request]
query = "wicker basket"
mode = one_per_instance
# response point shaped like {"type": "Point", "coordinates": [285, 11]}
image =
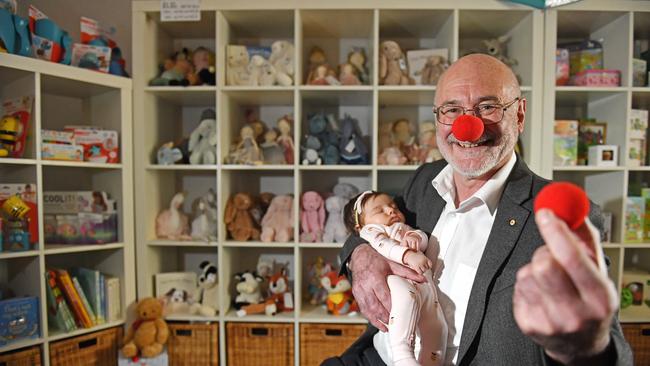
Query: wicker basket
{"type": "Point", "coordinates": [193, 344]}
{"type": "Point", "coordinates": [96, 349]}
{"type": "Point", "coordinates": [321, 341]}
{"type": "Point", "coordinates": [25, 357]}
{"type": "Point", "coordinates": [253, 344]}
{"type": "Point", "coordinates": [638, 335]}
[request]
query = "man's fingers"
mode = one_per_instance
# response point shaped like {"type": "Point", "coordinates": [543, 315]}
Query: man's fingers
{"type": "Point", "coordinates": [406, 272]}
{"type": "Point", "coordinates": [551, 277]}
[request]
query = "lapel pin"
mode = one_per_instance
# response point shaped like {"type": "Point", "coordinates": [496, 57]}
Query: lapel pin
{"type": "Point", "coordinates": [513, 222]}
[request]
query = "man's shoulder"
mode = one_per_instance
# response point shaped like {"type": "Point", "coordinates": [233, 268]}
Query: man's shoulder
{"type": "Point", "coordinates": [425, 173]}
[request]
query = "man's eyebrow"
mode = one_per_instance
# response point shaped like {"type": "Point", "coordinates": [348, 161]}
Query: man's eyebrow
{"type": "Point", "coordinates": [491, 98]}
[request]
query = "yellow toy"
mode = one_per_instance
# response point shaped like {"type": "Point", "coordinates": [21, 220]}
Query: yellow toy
{"type": "Point", "coordinates": [9, 131]}
{"type": "Point", "coordinates": [148, 333]}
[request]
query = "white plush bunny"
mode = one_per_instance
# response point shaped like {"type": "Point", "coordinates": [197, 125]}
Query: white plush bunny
{"type": "Point", "coordinates": [203, 140]}
{"type": "Point", "coordinates": [335, 230]}
{"type": "Point", "coordinates": [282, 59]}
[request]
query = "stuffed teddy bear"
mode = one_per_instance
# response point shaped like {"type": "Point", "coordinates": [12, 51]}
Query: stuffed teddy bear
{"type": "Point", "coordinates": [432, 70]}
{"type": "Point", "coordinates": [148, 333]}
{"type": "Point", "coordinates": [282, 59]}
{"type": "Point", "coordinates": [392, 65]}
{"type": "Point", "coordinates": [335, 230]}
{"type": "Point", "coordinates": [238, 60]}
{"type": "Point", "coordinates": [249, 295]}
{"type": "Point", "coordinates": [208, 296]}
{"type": "Point", "coordinates": [277, 224]}
{"type": "Point", "coordinates": [205, 223]}
{"type": "Point", "coordinates": [352, 148]}
{"type": "Point", "coordinates": [279, 290]}
{"type": "Point", "coordinates": [339, 294]}
{"type": "Point", "coordinates": [203, 140]}
{"type": "Point", "coordinates": [238, 218]}
{"type": "Point", "coordinates": [172, 223]}
{"type": "Point", "coordinates": [312, 217]}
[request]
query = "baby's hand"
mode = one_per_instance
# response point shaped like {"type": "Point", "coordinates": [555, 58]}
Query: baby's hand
{"type": "Point", "coordinates": [411, 240]}
{"type": "Point", "coordinates": [417, 261]}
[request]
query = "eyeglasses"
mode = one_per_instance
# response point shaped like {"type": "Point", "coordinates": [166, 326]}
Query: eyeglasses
{"type": "Point", "coordinates": [490, 113]}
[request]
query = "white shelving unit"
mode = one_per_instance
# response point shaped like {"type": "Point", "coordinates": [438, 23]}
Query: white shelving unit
{"type": "Point", "coordinates": [169, 113]}
{"type": "Point", "coordinates": [617, 24]}
{"type": "Point", "coordinates": [65, 95]}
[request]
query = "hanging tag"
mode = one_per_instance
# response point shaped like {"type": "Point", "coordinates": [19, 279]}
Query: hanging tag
{"type": "Point", "coordinates": [402, 64]}
{"type": "Point", "coordinates": [350, 146]}
{"type": "Point", "coordinates": [180, 10]}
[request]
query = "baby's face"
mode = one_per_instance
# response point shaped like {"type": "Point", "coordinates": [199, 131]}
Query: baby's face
{"type": "Point", "coordinates": [381, 210]}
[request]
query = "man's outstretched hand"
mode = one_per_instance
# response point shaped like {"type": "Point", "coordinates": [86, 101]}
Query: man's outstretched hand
{"type": "Point", "coordinates": [370, 270]}
{"type": "Point", "coordinates": [563, 298]}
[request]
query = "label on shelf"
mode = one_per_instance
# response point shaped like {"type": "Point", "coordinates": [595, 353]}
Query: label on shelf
{"type": "Point", "coordinates": [180, 10]}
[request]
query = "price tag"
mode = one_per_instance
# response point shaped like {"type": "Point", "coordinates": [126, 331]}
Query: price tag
{"type": "Point", "coordinates": [180, 10]}
{"type": "Point", "coordinates": [350, 146]}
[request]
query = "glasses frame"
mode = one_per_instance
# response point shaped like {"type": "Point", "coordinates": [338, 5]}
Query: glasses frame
{"type": "Point", "coordinates": [504, 107]}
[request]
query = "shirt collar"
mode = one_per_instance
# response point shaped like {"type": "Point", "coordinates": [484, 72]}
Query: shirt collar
{"type": "Point", "coordinates": [489, 193]}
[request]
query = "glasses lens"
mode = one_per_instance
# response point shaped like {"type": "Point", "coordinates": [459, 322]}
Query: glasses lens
{"type": "Point", "coordinates": [490, 113]}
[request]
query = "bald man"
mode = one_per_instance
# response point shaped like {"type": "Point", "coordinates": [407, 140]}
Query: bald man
{"type": "Point", "coordinates": [515, 289]}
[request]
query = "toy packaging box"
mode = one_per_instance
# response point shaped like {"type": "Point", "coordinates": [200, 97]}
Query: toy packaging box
{"type": "Point", "coordinates": [91, 57]}
{"type": "Point", "coordinates": [638, 283]}
{"type": "Point", "coordinates": [565, 143]}
{"type": "Point", "coordinates": [603, 155]}
{"type": "Point", "coordinates": [562, 66]}
{"type": "Point", "coordinates": [19, 319]}
{"type": "Point", "coordinates": [99, 146]}
{"type": "Point", "coordinates": [638, 137]}
{"type": "Point", "coordinates": [597, 77]}
{"type": "Point", "coordinates": [634, 219]}
{"type": "Point", "coordinates": [63, 152]}
{"type": "Point", "coordinates": [639, 72]}
{"type": "Point", "coordinates": [585, 55]}
{"type": "Point", "coordinates": [27, 192]}
{"type": "Point", "coordinates": [21, 108]}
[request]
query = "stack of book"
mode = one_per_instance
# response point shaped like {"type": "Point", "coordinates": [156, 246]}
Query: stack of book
{"type": "Point", "coordinates": [81, 298]}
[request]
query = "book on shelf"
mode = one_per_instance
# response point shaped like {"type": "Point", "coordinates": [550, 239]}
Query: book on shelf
{"type": "Point", "coordinates": [84, 300]}
{"type": "Point", "coordinates": [634, 219]}
{"type": "Point", "coordinates": [113, 299]}
{"type": "Point", "coordinates": [637, 137]}
{"type": "Point", "coordinates": [71, 295]}
{"type": "Point", "coordinates": [90, 281]}
{"type": "Point", "coordinates": [59, 314]}
{"type": "Point", "coordinates": [565, 143]}
{"type": "Point", "coordinates": [645, 194]}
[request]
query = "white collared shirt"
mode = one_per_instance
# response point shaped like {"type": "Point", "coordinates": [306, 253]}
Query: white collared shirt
{"type": "Point", "coordinates": [461, 233]}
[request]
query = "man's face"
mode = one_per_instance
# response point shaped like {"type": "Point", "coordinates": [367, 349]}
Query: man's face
{"type": "Point", "coordinates": [467, 86]}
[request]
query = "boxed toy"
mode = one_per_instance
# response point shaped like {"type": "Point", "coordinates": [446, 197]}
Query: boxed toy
{"type": "Point", "coordinates": [21, 110]}
{"type": "Point", "coordinates": [73, 202]}
{"type": "Point", "coordinates": [603, 155]}
{"type": "Point", "coordinates": [19, 319]}
{"type": "Point", "coordinates": [637, 284]}
{"type": "Point", "coordinates": [91, 57]}
{"type": "Point", "coordinates": [634, 219]}
{"type": "Point", "coordinates": [585, 55]}
{"type": "Point", "coordinates": [99, 146]}
{"type": "Point", "coordinates": [597, 77]}
{"type": "Point", "coordinates": [562, 66]}
{"type": "Point", "coordinates": [645, 193]}
{"type": "Point", "coordinates": [565, 143]}
{"type": "Point", "coordinates": [637, 137]}
{"type": "Point", "coordinates": [26, 192]}
{"type": "Point", "coordinates": [61, 152]}
{"type": "Point", "coordinates": [57, 137]}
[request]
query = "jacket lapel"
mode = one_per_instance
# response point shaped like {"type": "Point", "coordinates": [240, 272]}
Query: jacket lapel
{"type": "Point", "coordinates": [508, 223]}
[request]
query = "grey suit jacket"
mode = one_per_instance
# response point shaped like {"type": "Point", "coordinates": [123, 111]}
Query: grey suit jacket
{"type": "Point", "coordinates": [490, 334]}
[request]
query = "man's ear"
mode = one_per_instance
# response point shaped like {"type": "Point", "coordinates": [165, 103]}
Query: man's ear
{"type": "Point", "coordinates": [521, 115]}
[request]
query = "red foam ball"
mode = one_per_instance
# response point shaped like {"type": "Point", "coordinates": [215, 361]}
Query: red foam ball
{"type": "Point", "coordinates": [567, 201]}
{"type": "Point", "coordinates": [467, 128]}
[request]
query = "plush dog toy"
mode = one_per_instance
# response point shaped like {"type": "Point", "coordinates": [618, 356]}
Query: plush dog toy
{"type": "Point", "coordinates": [148, 333]}
{"type": "Point", "coordinates": [208, 290]}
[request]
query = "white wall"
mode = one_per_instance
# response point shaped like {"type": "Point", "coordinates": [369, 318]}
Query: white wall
{"type": "Point", "coordinates": [66, 13]}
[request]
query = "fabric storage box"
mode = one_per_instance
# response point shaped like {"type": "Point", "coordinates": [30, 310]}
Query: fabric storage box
{"type": "Point", "coordinates": [25, 357]}
{"type": "Point", "coordinates": [19, 319]}
{"type": "Point", "coordinates": [253, 344]}
{"type": "Point", "coordinates": [193, 344]}
{"type": "Point", "coordinates": [96, 349]}
{"type": "Point", "coordinates": [638, 335]}
{"type": "Point", "coordinates": [321, 341]}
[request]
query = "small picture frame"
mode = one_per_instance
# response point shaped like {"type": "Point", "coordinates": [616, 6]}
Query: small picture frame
{"type": "Point", "coordinates": [603, 155]}
{"type": "Point", "coordinates": [590, 133]}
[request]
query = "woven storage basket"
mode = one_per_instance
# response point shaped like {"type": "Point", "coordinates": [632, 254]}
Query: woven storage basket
{"type": "Point", "coordinates": [25, 357]}
{"type": "Point", "coordinates": [96, 349]}
{"type": "Point", "coordinates": [321, 341]}
{"type": "Point", "coordinates": [193, 344]}
{"type": "Point", "coordinates": [638, 335]}
{"type": "Point", "coordinates": [254, 344]}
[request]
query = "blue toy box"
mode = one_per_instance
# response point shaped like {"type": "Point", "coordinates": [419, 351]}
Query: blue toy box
{"type": "Point", "coordinates": [18, 319]}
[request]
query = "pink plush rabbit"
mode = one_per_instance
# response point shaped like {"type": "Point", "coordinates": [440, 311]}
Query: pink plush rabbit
{"type": "Point", "coordinates": [277, 224]}
{"type": "Point", "coordinates": [312, 217]}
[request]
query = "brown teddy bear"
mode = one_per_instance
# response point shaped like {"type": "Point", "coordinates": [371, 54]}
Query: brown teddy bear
{"type": "Point", "coordinates": [238, 218]}
{"type": "Point", "coordinates": [148, 333]}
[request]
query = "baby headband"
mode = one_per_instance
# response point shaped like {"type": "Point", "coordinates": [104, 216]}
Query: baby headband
{"type": "Point", "coordinates": [358, 206]}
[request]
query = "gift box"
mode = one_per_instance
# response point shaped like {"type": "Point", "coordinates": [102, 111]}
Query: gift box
{"type": "Point", "coordinates": [603, 155]}
{"type": "Point", "coordinates": [19, 319]}
{"type": "Point", "coordinates": [598, 77]}
{"type": "Point", "coordinates": [562, 66]}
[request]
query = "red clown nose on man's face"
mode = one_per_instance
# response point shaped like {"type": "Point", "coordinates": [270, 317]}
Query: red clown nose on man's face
{"type": "Point", "coordinates": [467, 128]}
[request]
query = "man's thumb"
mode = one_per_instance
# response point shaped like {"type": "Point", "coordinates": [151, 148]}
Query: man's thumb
{"type": "Point", "coordinates": [405, 272]}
